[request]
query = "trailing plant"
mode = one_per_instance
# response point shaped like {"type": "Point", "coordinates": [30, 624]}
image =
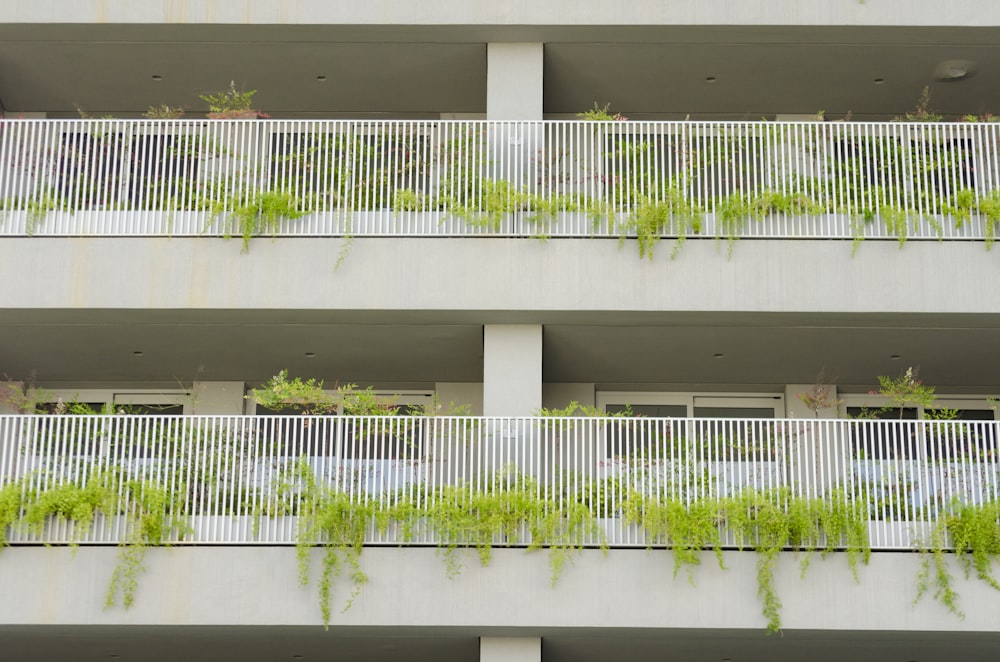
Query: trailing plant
{"type": "Point", "coordinates": [77, 504]}
{"type": "Point", "coordinates": [260, 214]}
{"type": "Point", "coordinates": [974, 531]}
{"type": "Point", "coordinates": [673, 214]}
{"type": "Point", "coordinates": [989, 207]}
{"type": "Point", "coordinates": [11, 502]}
{"type": "Point", "coordinates": [336, 522]}
{"type": "Point", "coordinates": [146, 508]}
{"type": "Point", "coordinates": [767, 521]}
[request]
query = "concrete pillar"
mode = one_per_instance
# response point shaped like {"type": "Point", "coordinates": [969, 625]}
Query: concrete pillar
{"type": "Point", "coordinates": [512, 369]}
{"type": "Point", "coordinates": [514, 81]}
{"type": "Point", "coordinates": [217, 398]}
{"type": "Point", "coordinates": [510, 649]}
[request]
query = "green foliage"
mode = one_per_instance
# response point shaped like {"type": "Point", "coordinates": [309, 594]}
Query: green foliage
{"type": "Point", "coordinates": [767, 521]}
{"type": "Point", "coordinates": [989, 207]}
{"type": "Point", "coordinates": [332, 520]}
{"type": "Point", "coordinates": [74, 503]}
{"type": "Point", "coordinates": [11, 502]}
{"type": "Point", "coordinates": [974, 531]}
{"type": "Point", "coordinates": [674, 214]}
{"type": "Point", "coordinates": [280, 393]}
{"type": "Point", "coordinates": [230, 100]}
{"type": "Point", "coordinates": [146, 507]}
{"type": "Point", "coordinates": [21, 395]}
{"type": "Point", "coordinates": [601, 114]}
{"type": "Point", "coordinates": [260, 214]}
{"type": "Point", "coordinates": [905, 391]}
{"type": "Point", "coordinates": [922, 112]}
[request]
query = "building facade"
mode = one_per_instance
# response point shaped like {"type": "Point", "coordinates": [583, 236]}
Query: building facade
{"type": "Point", "coordinates": [427, 215]}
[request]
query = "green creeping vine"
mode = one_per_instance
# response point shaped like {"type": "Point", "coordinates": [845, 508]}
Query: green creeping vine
{"type": "Point", "coordinates": [767, 521]}
{"type": "Point", "coordinates": [510, 508]}
{"type": "Point", "coordinates": [143, 503]}
{"type": "Point", "coordinates": [261, 214]}
{"type": "Point", "coordinates": [975, 536]}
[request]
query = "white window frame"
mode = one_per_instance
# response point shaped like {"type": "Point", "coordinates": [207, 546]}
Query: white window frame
{"type": "Point", "coordinates": [111, 398]}
{"type": "Point", "coordinates": [693, 399]}
{"type": "Point", "coordinates": [876, 401]}
{"type": "Point", "coordinates": [424, 398]}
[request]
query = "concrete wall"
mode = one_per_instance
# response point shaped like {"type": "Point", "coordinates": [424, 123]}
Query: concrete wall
{"type": "Point", "coordinates": [408, 587]}
{"type": "Point", "coordinates": [486, 275]}
{"type": "Point", "coordinates": [508, 12]}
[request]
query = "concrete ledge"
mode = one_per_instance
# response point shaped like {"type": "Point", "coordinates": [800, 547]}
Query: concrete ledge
{"type": "Point", "coordinates": [477, 274]}
{"type": "Point", "coordinates": [239, 586]}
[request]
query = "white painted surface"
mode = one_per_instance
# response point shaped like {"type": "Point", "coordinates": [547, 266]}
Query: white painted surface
{"type": "Point", "coordinates": [496, 275]}
{"type": "Point", "coordinates": [514, 81]}
{"type": "Point", "coordinates": [223, 398]}
{"type": "Point", "coordinates": [512, 369]}
{"type": "Point", "coordinates": [507, 12]}
{"type": "Point", "coordinates": [408, 587]}
{"type": "Point", "coordinates": [510, 649]}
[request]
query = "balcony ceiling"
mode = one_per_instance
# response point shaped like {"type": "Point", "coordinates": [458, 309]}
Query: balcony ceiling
{"type": "Point", "coordinates": [421, 71]}
{"type": "Point", "coordinates": [94, 643]}
{"type": "Point", "coordinates": [77, 348]}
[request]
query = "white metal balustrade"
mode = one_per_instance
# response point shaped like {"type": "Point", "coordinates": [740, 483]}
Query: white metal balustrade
{"type": "Point", "coordinates": [521, 179]}
{"type": "Point", "coordinates": [238, 479]}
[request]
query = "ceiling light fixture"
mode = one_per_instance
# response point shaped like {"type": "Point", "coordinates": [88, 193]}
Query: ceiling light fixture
{"type": "Point", "coordinates": [718, 356]}
{"type": "Point", "coordinates": [137, 353]}
{"type": "Point", "coordinates": [710, 79]}
{"type": "Point", "coordinates": [952, 71]}
{"type": "Point", "coordinates": [894, 357]}
{"type": "Point", "coordinates": [157, 77]}
{"type": "Point", "coordinates": [878, 81]}
{"type": "Point", "coordinates": [321, 78]}
{"type": "Point", "coordinates": [310, 355]}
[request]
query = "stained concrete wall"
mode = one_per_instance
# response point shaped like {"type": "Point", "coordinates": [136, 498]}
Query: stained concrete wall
{"type": "Point", "coordinates": [408, 587]}
{"type": "Point", "coordinates": [507, 12]}
{"type": "Point", "coordinates": [496, 275]}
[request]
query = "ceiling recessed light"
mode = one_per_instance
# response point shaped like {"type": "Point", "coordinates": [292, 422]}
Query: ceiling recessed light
{"type": "Point", "coordinates": [310, 355]}
{"type": "Point", "coordinates": [718, 356]}
{"type": "Point", "coordinates": [157, 77]}
{"type": "Point", "coordinates": [321, 78]}
{"type": "Point", "coordinates": [894, 357]}
{"type": "Point", "coordinates": [137, 353]}
{"type": "Point", "coordinates": [951, 71]}
{"type": "Point", "coordinates": [878, 81]}
{"type": "Point", "coordinates": [710, 79]}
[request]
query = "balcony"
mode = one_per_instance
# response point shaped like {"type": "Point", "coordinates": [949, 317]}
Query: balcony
{"type": "Point", "coordinates": [562, 485]}
{"type": "Point", "coordinates": [245, 480]}
{"type": "Point", "coordinates": [643, 180]}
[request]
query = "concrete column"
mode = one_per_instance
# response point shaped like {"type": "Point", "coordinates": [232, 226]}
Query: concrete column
{"type": "Point", "coordinates": [514, 81]}
{"type": "Point", "coordinates": [219, 398]}
{"type": "Point", "coordinates": [512, 369]}
{"type": "Point", "coordinates": [510, 649]}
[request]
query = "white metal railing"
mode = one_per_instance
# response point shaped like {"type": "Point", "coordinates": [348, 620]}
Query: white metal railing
{"type": "Point", "coordinates": [237, 479]}
{"type": "Point", "coordinates": [477, 178]}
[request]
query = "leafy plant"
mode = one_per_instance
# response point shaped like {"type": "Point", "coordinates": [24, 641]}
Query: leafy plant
{"type": "Point", "coordinates": [164, 112]}
{"type": "Point", "coordinates": [260, 214]}
{"type": "Point", "coordinates": [601, 114]}
{"type": "Point", "coordinates": [674, 214]}
{"type": "Point", "coordinates": [307, 396]}
{"type": "Point", "coordinates": [231, 103]}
